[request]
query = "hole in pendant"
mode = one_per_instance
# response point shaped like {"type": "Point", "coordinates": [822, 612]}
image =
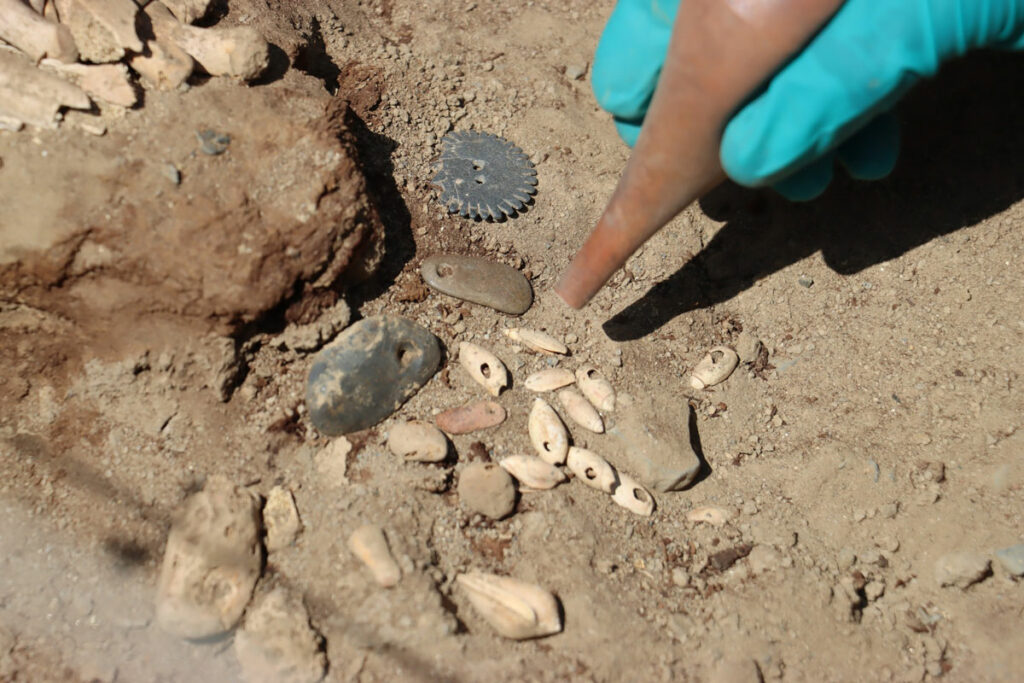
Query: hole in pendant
{"type": "Point", "coordinates": [403, 355]}
{"type": "Point", "coordinates": [485, 370]}
{"type": "Point", "coordinates": [479, 180]}
{"type": "Point", "coordinates": [590, 473]}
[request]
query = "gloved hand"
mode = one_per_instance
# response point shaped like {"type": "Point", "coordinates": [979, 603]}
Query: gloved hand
{"type": "Point", "coordinates": [830, 102]}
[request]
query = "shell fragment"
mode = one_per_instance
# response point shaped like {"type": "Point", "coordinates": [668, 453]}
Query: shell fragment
{"type": "Point", "coordinates": [549, 380]}
{"type": "Point", "coordinates": [484, 367]}
{"type": "Point", "coordinates": [371, 547]}
{"type": "Point", "coordinates": [532, 472]}
{"type": "Point", "coordinates": [547, 433]}
{"type": "Point", "coordinates": [418, 442]}
{"type": "Point", "coordinates": [538, 341]}
{"type": "Point", "coordinates": [715, 516]}
{"type": "Point", "coordinates": [592, 469]}
{"type": "Point", "coordinates": [580, 410]}
{"type": "Point", "coordinates": [516, 609]}
{"type": "Point", "coordinates": [714, 368]}
{"type": "Point", "coordinates": [632, 496]}
{"type": "Point", "coordinates": [596, 388]}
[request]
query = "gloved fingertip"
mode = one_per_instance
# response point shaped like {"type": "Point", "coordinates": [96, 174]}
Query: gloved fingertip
{"type": "Point", "coordinates": [628, 130]}
{"type": "Point", "coordinates": [808, 183]}
{"type": "Point", "coordinates": [872, 152]}
{"type": "Point", "coordinates": [629, 55]}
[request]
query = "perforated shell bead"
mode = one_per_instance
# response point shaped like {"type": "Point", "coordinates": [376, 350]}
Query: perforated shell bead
{"type": "Point", "coordinates": [483, 176]}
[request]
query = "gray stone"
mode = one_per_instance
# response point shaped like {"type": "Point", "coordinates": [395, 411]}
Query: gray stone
{"type": "Point", "coordinates": [487, 489]}
{"type": "Point", "coordinates": [483, 282]}
{"type": "Point", "coordinates": [961, 569]}
{"type": "Point", "coordinates": [368, 372]}
{"type": "Point", "coordinates": [1012, 559]}
{"type": "Point", "coordinates": [651, 440]}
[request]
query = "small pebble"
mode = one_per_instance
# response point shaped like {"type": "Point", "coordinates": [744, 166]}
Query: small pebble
{"type": "Point", "coordinates": [471, 417]}
{"type": "Point", "coordinates": [213, 143]}
{"type": "Point", "coordinates": [680, 577]}
{"type": "Point", "coordinates": [805, 281]}
{"type": "Point", "coordinates": [280, 519]}
{"type": "Point", "coordinates": [172, 173]}
{"type": "Point", "coordinates": [487, 489]}
{"type": "Point", "coordinates": [574, 72]}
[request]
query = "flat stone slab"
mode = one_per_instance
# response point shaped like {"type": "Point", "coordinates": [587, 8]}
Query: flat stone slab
{"type": "Point", "coordinates": [650, 439]}
{"type": "Point", "coordinates": [480, 281]}
{"type": "Point", "coordinates": [368, 372]}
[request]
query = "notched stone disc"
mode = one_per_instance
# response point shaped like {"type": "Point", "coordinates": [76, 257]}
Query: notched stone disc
{"type": "Point", "coordinates": [496, 285]}
{"type": "Point", "coordinates": [368, 372]}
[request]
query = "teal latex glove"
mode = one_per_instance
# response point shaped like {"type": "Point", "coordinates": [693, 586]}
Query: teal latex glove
{"type": "Point", "coordinates": [830, 102]}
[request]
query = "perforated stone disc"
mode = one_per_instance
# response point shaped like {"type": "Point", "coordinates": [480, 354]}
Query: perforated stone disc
{"type": "Point", "coordinates": [483, 176]}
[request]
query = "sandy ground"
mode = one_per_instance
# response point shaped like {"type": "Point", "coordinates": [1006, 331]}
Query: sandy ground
{"type": "Point", "coordinates": [880, 433]}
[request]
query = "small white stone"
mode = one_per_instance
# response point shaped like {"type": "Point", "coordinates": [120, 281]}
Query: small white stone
{"type": "Point", "coordinates": [281, 519]}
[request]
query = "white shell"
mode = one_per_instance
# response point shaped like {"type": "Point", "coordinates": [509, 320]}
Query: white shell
{"type": "Point", "coordinates": [418, 441]}
{"type": "Point", "coordinates": [371, 547]}
{"type": "Point", "coordinates": [532, 472]}
{"type": "Point", "coordinates": [542, 342]}
{"type": "Point", "coordinates": [515, 609]}
{"type": "Point", "coordinates": [549, 380]}
{"type": "Point", "coordinates": [580, 410]}
{"type": "Point", "coordinates": [632, 496]}
{"type": "Point", "coordinates": [596, 388]}
{"type": "Point", "coordinates": [715, 367]}
{"type": "Point", "coordinates": [591, 469]}
{"type": "Point", "coordinates": [548, 434]}
{"type": "Point", "coordinates": [484, 367]}
{"type": "Point", "coordinates": [715, 516]}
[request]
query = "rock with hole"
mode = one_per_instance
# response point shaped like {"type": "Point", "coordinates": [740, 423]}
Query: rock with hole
{"type": "Point", "coordinates": [484, 367]}
{"type": "Point", "coordinates": [368, 372]}
{"type": "Point", "coordinates": [632, 496]}
{"type": "Point", "coordinates": [595, 388]}
{"type": "Point", "coordinates": [548, 434]}
{"type": "Point", "coordinates": [483, 282]}
{"type": "Point", "coordinates": [592, 469]}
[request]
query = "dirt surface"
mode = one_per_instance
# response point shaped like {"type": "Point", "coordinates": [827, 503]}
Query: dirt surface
{"type": "Point", "coordinates": [148, 340]}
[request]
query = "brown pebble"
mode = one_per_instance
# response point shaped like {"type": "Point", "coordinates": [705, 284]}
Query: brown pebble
{"type": "Point", "coordinates": [471, 417]}
{"type": "Point", "coordinates": [487, 489]}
